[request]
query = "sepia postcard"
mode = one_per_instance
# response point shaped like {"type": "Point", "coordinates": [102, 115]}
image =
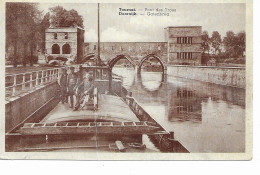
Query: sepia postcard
{"type": "Point", "coordinates": [128, 80]}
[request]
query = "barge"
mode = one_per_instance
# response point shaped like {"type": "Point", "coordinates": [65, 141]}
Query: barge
{"type": "Point", "coordinates": [112, 122]}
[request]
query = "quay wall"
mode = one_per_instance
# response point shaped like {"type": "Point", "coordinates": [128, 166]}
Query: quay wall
{"type": "Point", "coordinates": [20, 108]}
{"type": "Point", "coordinates": [227, 76]}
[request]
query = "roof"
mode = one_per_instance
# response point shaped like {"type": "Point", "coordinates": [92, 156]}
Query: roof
{"type": "Point", "coordinates": [63, 29]}
{"type": "Point", "coordinates": [161, 42]}
{"type": "Point", "coordinates": [182, 27]}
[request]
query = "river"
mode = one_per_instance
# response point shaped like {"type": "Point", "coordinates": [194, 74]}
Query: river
{"type": "Point", "coordinates": [205, 118]}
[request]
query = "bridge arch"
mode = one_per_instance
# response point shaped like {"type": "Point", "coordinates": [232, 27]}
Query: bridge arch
{"type": "Point", "coordinates": [113, 61]}
{"type": "Point", "coordinates": [164, 68]}
{"type": "Point", "coordinates": [87, 57]}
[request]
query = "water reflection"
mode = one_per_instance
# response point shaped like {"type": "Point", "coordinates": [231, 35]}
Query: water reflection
{"type": "Point", "coordinates": [205, 117]}
{"type": "Point", "coordinates": [184, 106]}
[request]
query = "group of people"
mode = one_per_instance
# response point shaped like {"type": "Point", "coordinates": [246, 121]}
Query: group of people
{"type": "Point", "coordinates": [78, 85]}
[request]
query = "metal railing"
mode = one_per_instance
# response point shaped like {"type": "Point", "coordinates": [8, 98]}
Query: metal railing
{"type": "Point", "coordinates": [23, 82]}
{"type": "Point", "coordinates": [16, 84]}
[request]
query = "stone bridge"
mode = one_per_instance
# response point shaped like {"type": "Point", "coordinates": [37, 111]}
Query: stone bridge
{"type": "Point", "coordinates": [137, 64]}
{"type": "Point", "coordinates": [135, 52]}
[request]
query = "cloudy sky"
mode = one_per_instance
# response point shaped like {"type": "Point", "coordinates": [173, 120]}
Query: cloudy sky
{"type": "Point", "coordinates": [113, 27]}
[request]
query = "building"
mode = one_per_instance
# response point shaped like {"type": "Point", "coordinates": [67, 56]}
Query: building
{"type": "Point", "coordinates": [64, 42]}
{"type": "Point", "coordinates": [184, 45]}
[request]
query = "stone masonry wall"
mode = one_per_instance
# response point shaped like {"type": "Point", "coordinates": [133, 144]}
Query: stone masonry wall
{"type": "Point", "coordinates": [134, 50]}
{"type": "Point", "coordinates": [228, 76]}
{"type": "Point", "coordinates": [19, 109]}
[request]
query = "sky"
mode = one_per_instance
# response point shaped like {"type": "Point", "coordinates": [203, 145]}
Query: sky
{"type": "Point", "coordinates": [220, 17]}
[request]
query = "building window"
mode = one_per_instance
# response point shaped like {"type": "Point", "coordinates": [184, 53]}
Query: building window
{"type": "Point", "coordinates": [66, 49]}
{"type": "Point", "coordinates": [184, 40]}
{"type": "Point", "coordinates": [190, 55]}
{"type": "Point", "coordinates": [55, 49]}
{"type": "Point", "coordinates": [95, 47]}
{"type": "Point", "coordinates": [66, 35]}
{"type": "Point", "coordinates": [184, 55]}
{"type": "Point", "coordinates": [55, 35]}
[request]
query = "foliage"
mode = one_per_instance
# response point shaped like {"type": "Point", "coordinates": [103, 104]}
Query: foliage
{"type": "Point", "coordinates": [60, 17]}
{"type": "Point", "coordinates": [22, 28]}
{"type": "Point", "coordinates": [205, 41]}
{"type": "Point", "coordinates": [235, 45]}
{"type": "Point", "coordinates": [215, 41]}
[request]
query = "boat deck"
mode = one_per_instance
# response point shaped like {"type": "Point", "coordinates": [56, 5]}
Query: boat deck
{"type": "Point", "coordinates": [110, 108]}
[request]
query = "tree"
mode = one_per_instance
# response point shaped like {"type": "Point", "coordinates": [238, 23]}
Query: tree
{"type": "Point", "coordinates": [235, 45]}
{"type": "Point", "coordinates": [241, 43]}
{"type": "Point", "coordinates": [60, 17]}
{"type": "Point", "coordinates": [45, 23]}
{"type": "Point", "coordinates": [215, 41]}
{"type": "Point", "coordinates": [22, 21]}
{"type": "Point", "coordinates": [205, 41]}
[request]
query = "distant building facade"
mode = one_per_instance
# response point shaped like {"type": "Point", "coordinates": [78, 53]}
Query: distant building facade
{"type": "Point", "coordinates": [184, 45]}
{"type": "Point", "coordinates": [64, 42]}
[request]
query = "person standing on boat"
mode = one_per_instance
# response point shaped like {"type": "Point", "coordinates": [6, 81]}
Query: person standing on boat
{"type": "Point", "coordinates": [80, 87]}
{"type": "Point", "coordinates": [80, 75]}
{"type": "Point", "coordinates": [88, 89]}
{"type": "Point", "coordinates": [71, 83]}
{"type": "Point", "coordinates": [80, 78]}
{"type": "Point", "coordinates": [63, 85]}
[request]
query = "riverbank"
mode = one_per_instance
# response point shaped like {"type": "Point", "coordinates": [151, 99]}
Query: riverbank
{"type": "Point", "coordinates": [227, 76]}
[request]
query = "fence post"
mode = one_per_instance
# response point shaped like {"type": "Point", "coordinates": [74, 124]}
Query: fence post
{"type": "Point", "coordinates": [37, 77]}
{"type": "Point", "coordinates": [50, 76]}
{"type": "Point", "coordinates": [23, 84]}
{"type": "Point", "coordinates": [46, 76]}
{"type": "Point", "coordinates": [14, 86]}
{"type": "Point", "coordinates": [31, 80]}
{"type": "Point", "coordinates": [53, 74]}
{"type": "Point", "coordinates": [42, 78]}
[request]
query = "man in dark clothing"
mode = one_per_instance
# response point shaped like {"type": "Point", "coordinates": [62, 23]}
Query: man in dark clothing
{"type": "Point", "coordinates": [71, 83]}
{"type": "Point", "coordinates": [63, 85]}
